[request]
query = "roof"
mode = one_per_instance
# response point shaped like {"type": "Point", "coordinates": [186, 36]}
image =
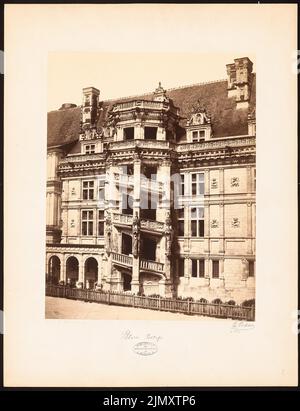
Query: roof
{"type": "Point", "coordinates": [226, 120]}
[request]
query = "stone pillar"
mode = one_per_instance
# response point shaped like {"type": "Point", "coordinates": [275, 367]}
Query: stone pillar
{"type": "Point", "coordinates": [221, 180]}
{"type": "Point", "coordinates": [249, 180]}
{"type": "Point", "coordinates": [206, 182]}
{"type": "Point", "coordinates": [221, 229]}
{"type": "Point", "coordinates": [253, 227]}
{"type": "Point", "coordinates": [221, 268]}
{"type": "Point", "coordinates": [135, 282]}
{"type": "Point", "coordinates": [165, 171]}
{"type": "Point", "coordinates": [63, 271]}
{"type": "Point", "coordinates": [81, 269]}
{"type": "Point", "coordinates": [249, 227]}
{"type": "Point", "coordinates": [206, 228]}
{"type": "Point", "coordinates": [187, 267]}
{"type": "Point", "coordinates": [139, 132]}
{"type": "Point", "coordinates": [207, 268]}
{"type": "Point", "coordinates": [161, 133]}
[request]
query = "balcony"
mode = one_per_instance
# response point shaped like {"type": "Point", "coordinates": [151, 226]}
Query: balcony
{"type": "Point", "coordinates": [122, 259]}
{"type": "Point", "coordinates": [144, 104]}
{"type": "Point", "coordinates": [148, 265]}
{"type": "Point", "coordinates": [122, 219]}
{"type": "Point", "coordinates": [146, 224]}
{"type": "Point", "coordinates": [152, 225]}
{"type": "Point", "coordinates": [145, 265]}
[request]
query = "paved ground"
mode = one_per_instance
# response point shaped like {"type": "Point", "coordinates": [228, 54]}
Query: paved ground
{"type": "Point", "coordinates": [72, 309]}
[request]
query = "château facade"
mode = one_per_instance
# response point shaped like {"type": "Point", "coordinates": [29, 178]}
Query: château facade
{"type": "Point", "coordinates": [155, 194]}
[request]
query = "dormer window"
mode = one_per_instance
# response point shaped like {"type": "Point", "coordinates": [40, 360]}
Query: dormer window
{"type": "Point", "coordinates": [89, 149]}
{"type": "Point", "coordinates": [198, 135]}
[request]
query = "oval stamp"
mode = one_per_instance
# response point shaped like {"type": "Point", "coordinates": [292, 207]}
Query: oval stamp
{"type": "Point", "coordinates": [145, 348]}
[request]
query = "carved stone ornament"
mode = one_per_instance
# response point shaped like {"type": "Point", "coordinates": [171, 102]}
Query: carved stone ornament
{"type": "Point", "coordinates": [214, 183]}
{"type": "Point", "coordinates": [72, 223]}
{"type": "Point", "coordinates": [199, 116]}
{"type": "Point", "coordinates": [214, 223]}
{"type": "Point", "coordinates": [168, 235]}
{"type": "Point", "coordinates": [235, 223]}
{"type": "Point", "coordinates": [135, 235]}
{"type": "Point", "coordinates": [73, 192]}
{"type": "Point", "coordinates": [108, 231]}
{"type": "Point", "coordinates": [91, 134]}
{"type": "Point", "coordinates": [235, 182]}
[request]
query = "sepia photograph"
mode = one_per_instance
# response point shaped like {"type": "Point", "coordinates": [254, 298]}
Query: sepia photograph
{"type": "Point", "coordinates": [151, 197]}
{"type": "Point", "coordinates": [150, 177]}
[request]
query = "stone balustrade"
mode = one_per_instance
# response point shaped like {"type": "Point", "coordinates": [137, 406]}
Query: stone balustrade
{"type": "Point", "coordinates": [151, 265]}
{"type": "Point", "coordinates": [207, 145]}
{"type": "Point", "coordinates": [122, 259]}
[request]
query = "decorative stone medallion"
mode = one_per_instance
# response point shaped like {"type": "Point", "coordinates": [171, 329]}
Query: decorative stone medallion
{"type": "Point", "coordinates": [214, 183]}
{"type": "Point", "coordinates": [214, 223]}
{"type": "Point", "coordinates": [235, 223]}
{"type": "Point", "coordinates": [235, 182]}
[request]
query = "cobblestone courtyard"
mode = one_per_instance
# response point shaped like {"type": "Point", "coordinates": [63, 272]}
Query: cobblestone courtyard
{"type": "Point", "coordinates": [62, 308]}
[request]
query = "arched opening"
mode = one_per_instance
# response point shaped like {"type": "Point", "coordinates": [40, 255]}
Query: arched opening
{"type": "Point", "coordinates": [90, 272]}
{"type": "Point", "coordinates": [248, 303]}
{"type": "Point", "coordinates": [217, 301]}
{"type": "Point", "coordinates": [72, 270]}
{"type": "Point", "coordinates": [53, 270]}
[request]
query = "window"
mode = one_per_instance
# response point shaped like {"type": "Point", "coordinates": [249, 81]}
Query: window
{"type": "Point", "coordinates": [215, 269]}
{"type": "Point", "coordinates": [87, 222]}
{"type": "Point", "coordinates": [198, 268]}
{"type": "Point", "coordinates": [100, 222]}
{"type": "Point", "coordinates": [251, 269]}
{"type": "Point", "coordinates": [198, 136]}
{"type": "Point", "coordinates": [182, 176]}
{"type": "Point", "coordinates": [197, 222]}
{"type": "Point", "coordinates": [89, 149]}
{"type": "Point", "coordinates": [197, 183]}
{"type": "Point", "coordinates": [150, 172]}
{"type": "Point", "coordinates": [88, 190]}
{"type": "Point", "coordinates": [181, 267]}
{"type": "Point", "coordinates": [128, 133]}
{"type": "Point", "coordinates": [181, 222]}
{"type": "Point", "coordinates": [101, 191]}
{"type": "Point", "coordinates": [150, 133]}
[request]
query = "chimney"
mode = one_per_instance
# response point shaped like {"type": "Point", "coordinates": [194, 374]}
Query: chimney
{"type": "Point", "coordinates": [89, 110]}
{"type": "Point", "coordinates": [239, 78]}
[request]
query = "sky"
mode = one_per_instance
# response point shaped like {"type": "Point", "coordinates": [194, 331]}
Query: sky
{"type": "Point", "coordinates": [128, 74]}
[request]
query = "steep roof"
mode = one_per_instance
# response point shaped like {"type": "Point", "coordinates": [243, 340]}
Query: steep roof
{"type": "Point", "coordinates": [226, 120]}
